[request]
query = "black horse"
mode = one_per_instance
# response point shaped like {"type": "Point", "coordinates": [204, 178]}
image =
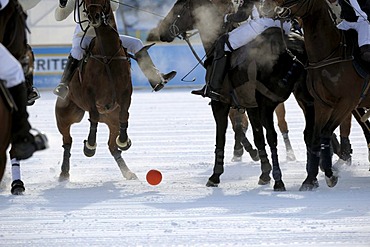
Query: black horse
{"type": "Point", "coordinates": [259, 78]}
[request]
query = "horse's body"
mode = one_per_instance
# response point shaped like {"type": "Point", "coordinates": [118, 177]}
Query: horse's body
{"type": "Point", "coordinates": [13, 37]}
{"type": "Point", "coordinates": [102, 87]}
{"type": "Point", "coordinates": [6, 120]}
{"type": "Point", "coordinates": [333, 81]}
{"type": "Point", "coordinates": [207, 17]}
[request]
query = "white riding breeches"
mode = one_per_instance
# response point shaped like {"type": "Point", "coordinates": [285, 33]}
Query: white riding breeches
{"type": "Point", "coordinates": [362, 27]}
{"type": "Point", "coordinates": [250, 29]}
{"type": "Point", "coordinates": [10, 70]}
{"type": "Point", "coordinates": [79, 45]}
{"type": "Point", "coordinates": [3, 3]}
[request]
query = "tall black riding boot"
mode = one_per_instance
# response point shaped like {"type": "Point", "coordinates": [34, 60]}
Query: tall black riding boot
{"type": "Point", "coordinates": [156, 79]}
{"type": "Point", "coordinates": [218, 74]}
{"type": "Point", "coordinates": [62, 89]}
{"type": "Point", "coordinates": [213, 87]}
{"type": "Point", "coordinates": [24, 144]}
{"type": "Point", "coordinates": [28, 67]}
{"type": "Point", "coordinates": [365, 53]}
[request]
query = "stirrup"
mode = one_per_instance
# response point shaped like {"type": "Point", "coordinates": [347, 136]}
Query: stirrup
{"type": "Point", "coordinates": [33, 96]}
{"type": "Point", "coordinates": [213, 95]}
{"type": "Point", "coordinates": [61, 90]}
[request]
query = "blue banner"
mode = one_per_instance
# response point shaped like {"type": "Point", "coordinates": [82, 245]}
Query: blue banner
{"type": "Point", "coordinates": [51, 60]}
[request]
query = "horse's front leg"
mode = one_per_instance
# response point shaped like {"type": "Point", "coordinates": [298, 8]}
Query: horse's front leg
{"type": "Point", "coordinates": [123, 141]}
{"type": "Point", "coordinates": [116, 153]}
{"type": "Point", "coordinates": [66, 113]}
{"type": "Point", "coordinates": [220, 113]}
{"type": "Point", "coordinates": [90, 143]}
{"type": "Point", "coordinates": [271, 137]}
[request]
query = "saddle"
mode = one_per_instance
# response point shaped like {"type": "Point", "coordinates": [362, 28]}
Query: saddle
{"type": "Point", "coordinates": [351, 40]}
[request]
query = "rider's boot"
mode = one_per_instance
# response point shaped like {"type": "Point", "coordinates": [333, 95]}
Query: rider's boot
{"type": "Point", "coordinates": [156, 79]}
{"type": "Point", "coordinates": [365, 53]}
{"type": "Point", "coordinates": [24, 144]}
{"type": "Point", "coordinates": [62, 89]}
{"type": "Point", "coordinates": [32, 92]}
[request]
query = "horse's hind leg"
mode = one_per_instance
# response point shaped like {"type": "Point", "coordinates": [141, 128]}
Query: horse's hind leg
{"type": "Point", "coordinates": [17, 186]}
{"type": "Point", "coordinates": [345, 145]}
{"type": "Point", "coordinates": [116, 153]}
{"type": "Point", "coordinates": [239, 123]}
{"type": "Point", "coordinates": [220, 112]}
{"type": "Point", "coordinates": [283, 126]}
{"type": "Point", "coordinates": [365, 126]}
{"type": "Point", "coordinates": [259, 141]}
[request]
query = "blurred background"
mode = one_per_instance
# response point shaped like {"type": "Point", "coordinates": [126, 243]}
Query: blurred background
{"type": "Point", "coordinates": [134, 17]}
{"type": "Point", "coordinates": [51, 42]}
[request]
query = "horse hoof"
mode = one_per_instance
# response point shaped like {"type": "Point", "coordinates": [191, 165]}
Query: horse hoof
{"type": "Point", "coordinates": [290, 156]}
{"type": "Point", "coordinates": [64, 176]}
{"type": "Point", "coordinates": [254, 154]}
{"type": "Point", "coordinates": [279, 186]}
{"type": "Point", "coordinates": [309, 185]}
{"type": "Point", "coordinates": [236, 159]}
{"type": "Point", "coordinates": [238, 152]}
{"type": "Point", "coordinates": [89, 150]}
{"type": "Point", "coordinates": [264, 179]}
{"type": "Point", "coordinates": [332, 181]}
{"type": "Point", "coordinates": [211, 184]}
{"type": "Point", "coordinates": [17, 187]}
{"type": "Point", "coordinates": [130, 175]}
{"type": "Point", "coordinates": [123, 146]}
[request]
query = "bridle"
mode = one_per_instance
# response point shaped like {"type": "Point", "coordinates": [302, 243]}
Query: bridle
{"type": "Point", "coordinates": [104, 14]}
{"type": "Point", "coordinates": [284, 11]}
{"type": "Point", "coordinates": [175, 31]}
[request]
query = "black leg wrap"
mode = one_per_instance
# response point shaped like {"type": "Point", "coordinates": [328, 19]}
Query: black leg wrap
{"type": "Point", "coordinates": [326, 156]}
{"type": "Point", "coordinates": [219, 161]}
{"type": "Point", "coordinates": [123, 132]}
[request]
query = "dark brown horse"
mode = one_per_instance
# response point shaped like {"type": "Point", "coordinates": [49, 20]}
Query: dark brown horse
{"type": "Point", "coordinates": [247, 73]}
{"type": "Point", "coordinates": [102, 87]}
{"type": "Point", "coordinates": [13, 37]}
{"type": "Point", "coordinates": [334, 82]}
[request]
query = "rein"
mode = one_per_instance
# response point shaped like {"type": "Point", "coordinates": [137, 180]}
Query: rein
{"type": "Point", "coordinates": [290, 53]}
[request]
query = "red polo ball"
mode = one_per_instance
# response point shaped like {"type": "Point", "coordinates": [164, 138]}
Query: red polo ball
{"type": "Point", "coordinates": [154, 177]}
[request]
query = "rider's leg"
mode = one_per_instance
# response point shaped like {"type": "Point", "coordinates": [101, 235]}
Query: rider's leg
{"type": "Point", "coordinates": [77, 53]}
{"type": "Point", "coordinates": [155, 78]}
{"type": "Point", "coordinates": [62, 89]}
{"type": "Point", "coordinates": [363, 30]}
{"type": "Point", "coordinates": [24, 144]}
{"type": "Point", "coordinates": [218, 71]}
{"type": "Point", "coordinates": [32, 93]}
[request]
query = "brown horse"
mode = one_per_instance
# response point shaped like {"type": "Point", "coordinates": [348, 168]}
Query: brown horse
{"type": "Point", "coordinates": [102, 87]}
{"type": "Point", "coordinates": [255, 83]}
{"type": "Point", "coordinates": [6, 121]}
{"type": "Point", "coordinates": [334, 82]}
{"type": "Point", "coordinates": [13, 37]}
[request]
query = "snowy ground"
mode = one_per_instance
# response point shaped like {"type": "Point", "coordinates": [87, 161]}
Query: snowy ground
{"type": "Point", "coordinates": [173, 131]}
